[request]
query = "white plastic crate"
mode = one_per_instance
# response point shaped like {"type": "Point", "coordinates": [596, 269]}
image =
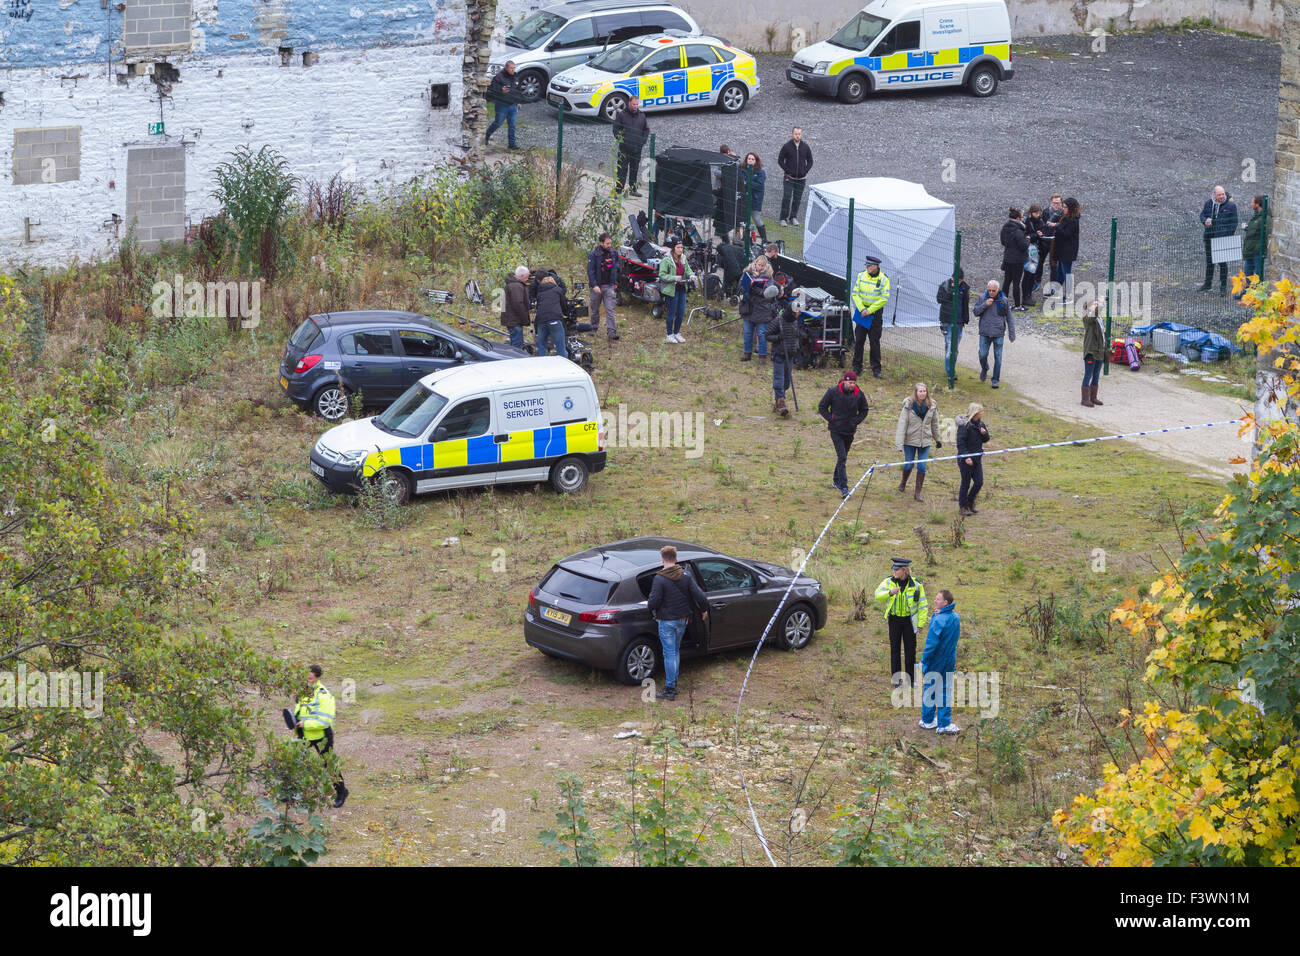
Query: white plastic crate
{"type": "Point", "coordinates": [1162, 340]}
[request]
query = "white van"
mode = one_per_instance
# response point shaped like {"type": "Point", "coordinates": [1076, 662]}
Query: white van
{"type": "Point", "coordinates": [909, 44]}
{"type": "Point", "coordinates": [486, 423]}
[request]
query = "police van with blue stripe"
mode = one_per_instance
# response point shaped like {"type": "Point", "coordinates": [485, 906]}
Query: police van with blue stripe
{"type": "Point", "coordinates": [910, 44]}
{"type": "Point", "coordinates": [489, 423]}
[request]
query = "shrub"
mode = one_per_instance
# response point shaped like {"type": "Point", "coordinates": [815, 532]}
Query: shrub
{"type": "Point", "coordinates": [255, 190]}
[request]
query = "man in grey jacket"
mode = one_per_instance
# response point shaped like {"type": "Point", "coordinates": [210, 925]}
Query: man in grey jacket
{"type": "Point", "coordinates": [994, 313]}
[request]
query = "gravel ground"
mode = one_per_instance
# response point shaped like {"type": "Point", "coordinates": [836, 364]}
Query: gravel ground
{"type": "Point", "coordinates": [1145, 128]}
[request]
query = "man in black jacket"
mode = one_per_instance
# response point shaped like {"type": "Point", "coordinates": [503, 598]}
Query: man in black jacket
{"type": "Point", "coordinates": [732, 257]}
{"type": "Point", "coordinates": [504, 92]}
{"type": "Point", "coordinates": [674, 597]}
{"type": "Point", "coordinates": [783, 343]}
{"type": "Point", "coordinates": [844, 407]}
{"type": "Point", "coordinates": [602, 277]}
{"type": "Point", "coordinates": [796, 161]}
{"type": "Point", "coordinates": [1219, 216]}
{"type": "Point", "coordinates": [630, 132]}
{"type": "Point", "coordinates": [952, 333]}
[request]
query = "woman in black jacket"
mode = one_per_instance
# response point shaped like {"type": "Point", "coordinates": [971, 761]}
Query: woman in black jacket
{"type": "Point", "coordinates": [550, 318]}
{"type": "Point", "coordinates": [1036, 226]}
{"type": "Point", "coordinates": [1015, 250]}
{"type": "Point", "coordinates": [1065, 247]}
{"type": "Point", "coordinates": [971, 436]}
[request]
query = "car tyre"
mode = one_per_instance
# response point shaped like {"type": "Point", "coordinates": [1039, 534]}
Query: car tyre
{"type": "Point", "coordinates": [612, 105]}
{"type": "Point", "coordinates": [853, 88]}
{"type": "Point", "coordinates": [639, 659]}
{"type": "Point", "coordinates": [394, 485]}
{"type": "Point", "coordinates": [569, 475]}
{"type": "Point", "coordinates": [331, 402]}
{"type": "Point", "coordinates": [796, 627]}
{"type": "Point", "coordinates": [983, 81]}
{"type": "Point", "coordinates": [532, 85]}
{"type": "Point", "coordinates": [733, 97]}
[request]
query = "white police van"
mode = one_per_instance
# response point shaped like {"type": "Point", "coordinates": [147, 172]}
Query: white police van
{"type": "Point", "coordinates": [485, 423]}
{"type": "Point", "coordinates": [910, 44]}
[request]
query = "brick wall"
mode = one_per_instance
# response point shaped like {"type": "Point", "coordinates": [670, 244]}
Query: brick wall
{"type": "Point", "coordinates": [50, 154]}
{"type": "Point", "coordinates": [1284, 238]}
{"type": "Point", "coordinates": [156, 25]}
{"type": "Point", "coordinates": [155, 194]}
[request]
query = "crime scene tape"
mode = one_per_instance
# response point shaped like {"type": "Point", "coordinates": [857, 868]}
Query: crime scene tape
{"type": "Point", "coordinates": [866, 477]}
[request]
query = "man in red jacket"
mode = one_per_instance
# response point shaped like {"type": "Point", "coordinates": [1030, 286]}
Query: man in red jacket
{"type": "Point", "coordinates": [844, 407]}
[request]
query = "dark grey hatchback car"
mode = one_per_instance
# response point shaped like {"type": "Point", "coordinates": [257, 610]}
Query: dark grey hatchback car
{"type": "Point", "coordinates": [591, 606]}
{"type": "Point", "coordinates": [380, 354]}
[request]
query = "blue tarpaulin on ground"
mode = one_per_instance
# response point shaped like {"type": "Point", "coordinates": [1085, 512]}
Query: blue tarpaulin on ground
{"type": "Point", "coordinates": [1188, 335]}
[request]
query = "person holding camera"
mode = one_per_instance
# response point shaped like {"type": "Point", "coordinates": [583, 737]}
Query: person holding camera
{"type": "Point", "coordinates": [756, 312]}
{"type": "Point", "coordinates": [312, 719]}
{"type": "Point", "coordinates": [844, 406]}
{"type": "Point", "coordinates": [675, 274]}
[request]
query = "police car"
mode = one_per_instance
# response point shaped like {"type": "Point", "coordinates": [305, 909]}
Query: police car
{"type": "Point", "coordinates": [664, 71]}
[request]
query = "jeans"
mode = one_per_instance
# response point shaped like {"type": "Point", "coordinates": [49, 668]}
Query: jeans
{"type": "Point", "coordinates": [670, 639]}
{"type": "Point", "coordinates": [608, 298]}
{"type": "Point", "coordinates": [972, 480]}
{"type": "Point", "coordinates": [1091, 371]}
{"type": "Point", "coordinates": [780, 372]}
{"type": "Point", "coordinates": [952, 339]}
{"type": "Point", "coordinates": [791, 197]}
{"type": "Point", "coordinates": [755, 340]}
{"type": "Point", "coordinates": [506, 114]}
{"type": "Point", "coordinates": [1065, 271]}
{"type": "Point", "coordinates": [936, 697]}
{"type": "Point", "coordinates": [1013, 276]}
{"type": "Point", "coordinates": [675, 310]}
{"type": "Point", "coordinates": [902, 646]}
{"type": "Point", "coordinates": [985, 342]}
{"type": "Point", "coordinates": [548, 332]}
{"type": "Point", "coordinates": [842, 445]}
{"type": "Point", "coordinates": [516, 333]}
{"type": "Point", "coordinates": [918, 454]}
{"type": "Point", "coordinates": [1250, 266]}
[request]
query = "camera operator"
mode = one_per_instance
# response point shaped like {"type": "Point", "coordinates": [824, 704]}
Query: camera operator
{"type": "Point", "coordinates": [602, 276]}
{"type": "Point", "coordinates": [551, 307]}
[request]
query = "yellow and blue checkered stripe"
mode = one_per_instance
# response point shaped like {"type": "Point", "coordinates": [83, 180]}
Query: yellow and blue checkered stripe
{"type": "Point", "coordinates": [483, 451]}
{"type": "Point", "coordinates": [670, 83]}
{"type": "Point", "coordinates": [917, 60]}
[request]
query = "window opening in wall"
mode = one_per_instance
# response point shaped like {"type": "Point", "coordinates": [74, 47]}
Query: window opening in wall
{"type": "Point", "coordinates": [440, 96]}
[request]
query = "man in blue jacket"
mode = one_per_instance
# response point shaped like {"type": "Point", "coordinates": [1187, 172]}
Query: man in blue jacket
{"type": "Point", "coordinates": [602, 277]}
{"type": "Point", "coordinates": [938, 664]}
{"type": "Point", "coordinates": [1219, 217]}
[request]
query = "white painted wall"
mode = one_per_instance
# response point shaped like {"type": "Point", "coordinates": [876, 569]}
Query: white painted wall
{"type": "Point", "coordinates": [364, 112]}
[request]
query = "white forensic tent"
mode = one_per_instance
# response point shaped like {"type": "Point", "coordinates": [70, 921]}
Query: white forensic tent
{"type": "Point", "coordinates": [910, 231]}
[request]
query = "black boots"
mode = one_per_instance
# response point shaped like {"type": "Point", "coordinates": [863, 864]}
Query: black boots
{"type": "Point", "coordinates": [668, 693]}
{"type": "Point", "coordinates": [340, 794]}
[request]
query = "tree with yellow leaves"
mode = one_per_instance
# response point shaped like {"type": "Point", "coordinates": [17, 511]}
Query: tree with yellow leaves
{"type": "Point", "coordinates": [1215, 782]}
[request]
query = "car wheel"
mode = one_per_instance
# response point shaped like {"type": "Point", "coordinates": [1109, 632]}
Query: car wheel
{"type": "Point", "coordinates": [638, 660]}
{"type": "Point", "coordinates": [796, 628]}
{"type": "Point", "coordinates": [569, 475]}
{"type": "Point", "coordinates": [393, 485]}
{"type": "Point", "coordinates": [732, 98]}
{"type": "Point", "coordinates": [331, 403]}
{"type": "Point", "coordinates": [984, 81]}
{"type": "Point", "coordinates": [612, 105]}
{"type": "Point", "coordinates": [532, 85]}
{"type": "Point", "coordinates": [853, 88]}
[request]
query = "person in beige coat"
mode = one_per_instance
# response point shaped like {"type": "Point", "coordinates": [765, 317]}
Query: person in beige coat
{"type": "Point", "coordinates": [918, 422]}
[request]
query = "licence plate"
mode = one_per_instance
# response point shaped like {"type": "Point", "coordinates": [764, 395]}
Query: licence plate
{"type": "Point", "coordinates": [560, 617]}
{"type": "Point", "coordinates": [797, 77]}
{"type": "Point", "coordinates": [284, 383]}
{"type": "Point", "coordinates": [317, 470]}
{"type": "Point", "coordinates": [555, 100]}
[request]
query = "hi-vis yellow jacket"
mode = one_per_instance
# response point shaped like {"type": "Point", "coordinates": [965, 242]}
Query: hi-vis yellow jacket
{"type": "Point", "coordinates": [316, 711]}
{"type": "Point", "coordinates": [870, 293]}
{"type": "Point", "coordinates": [910, 601]}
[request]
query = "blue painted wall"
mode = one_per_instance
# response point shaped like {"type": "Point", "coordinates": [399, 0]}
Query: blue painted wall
{"type": "Point", "coordinates": [35, 33]}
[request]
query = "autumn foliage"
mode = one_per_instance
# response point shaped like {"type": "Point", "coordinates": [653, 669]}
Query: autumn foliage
{"type": "Point", "coordinates": [1213, 779]}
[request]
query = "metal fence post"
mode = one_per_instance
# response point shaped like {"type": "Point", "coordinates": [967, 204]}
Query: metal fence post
{"type": "Point", "coordinates": [650, 189]}
{"type": "Point", "coordinates": [1263, 239]}
{"type": "Point", "coordinates": [954, 327]}
{"type": "Point", "coordinates": [846, 324]}
{"type": "Point", "coordinates": [1110, 297]}
{"type": "Point", "coordinates": [559, 163]}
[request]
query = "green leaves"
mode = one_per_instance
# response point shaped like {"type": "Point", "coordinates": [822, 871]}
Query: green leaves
{"type": "Point", "coordinates": [255, 191]}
